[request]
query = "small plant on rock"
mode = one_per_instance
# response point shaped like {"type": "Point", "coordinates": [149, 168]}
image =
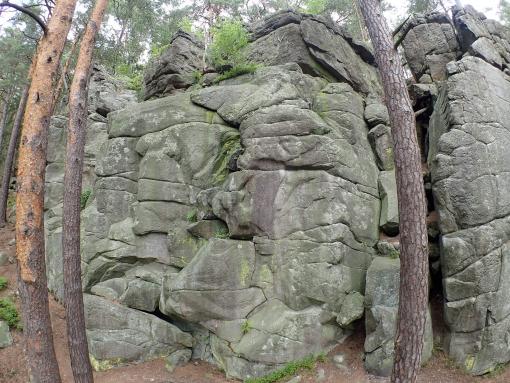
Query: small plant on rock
{"type": "Point", "coordinates": [85, 195]}
{"type": "Point", "coordinates": [9, 313]}
{"type": "Point", "coordinates": [192, 216]}
{"type": "Point", "coordinates": [246, 327]}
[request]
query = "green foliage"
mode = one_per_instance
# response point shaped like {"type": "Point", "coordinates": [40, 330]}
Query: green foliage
{"type": "Point", "coordinates": [237, 71]}
{"type": "Point", "coordinates": [229, 39]}
{"type": "Point", "coordinates": [85, 195]}
{"type": "Point", "coordinates": [422, 6]}
{"type": "Point", "coordinates": [192, 215]}
{"type": "Point", "coordinates": [289, 369]}
{"type": "Point", "coordinates": [3, 283]}
{"type": "Point", "coordinates": [9, 313]}
{"type": "Point", "coordinates": [394, 254]}
{"type": "Point", "coordinates": [130, 75]}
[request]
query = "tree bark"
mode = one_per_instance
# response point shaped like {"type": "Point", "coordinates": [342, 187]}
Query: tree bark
{"type": "Point", "coordinates": [73, 296]}
{"type": "Point", "coordinates": [411, 200]}
{"type": "Point", "coordinates": [40, 352]}
{"type": "Point", "coordinates": [9, 158]}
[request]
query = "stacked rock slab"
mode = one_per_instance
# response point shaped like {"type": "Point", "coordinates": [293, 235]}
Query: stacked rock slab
{"type": "Point", "coordinates": [244, 214]}
{"type": "Point", "coordinates": [469, 137]}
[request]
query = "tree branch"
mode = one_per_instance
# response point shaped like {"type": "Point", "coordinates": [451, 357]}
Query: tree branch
{"type": "Point", "coordinates": [28, 12]}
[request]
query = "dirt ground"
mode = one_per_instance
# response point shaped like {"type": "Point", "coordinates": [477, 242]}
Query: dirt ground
{"type": "Point", "coordinates": [12, 363]}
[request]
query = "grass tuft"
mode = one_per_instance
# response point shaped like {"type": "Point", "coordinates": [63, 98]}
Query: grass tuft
{"type": "Point", "coordinates": [289, 369]}
{"type": "Point", "coordinates": [238, 70]}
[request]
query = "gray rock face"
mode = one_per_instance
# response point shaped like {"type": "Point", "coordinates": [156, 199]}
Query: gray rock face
{"type": "Point", "coordinates": [469, 134]}
{"type": "Point", "coordinates": [225, 205]}
{"type": "Point", "coordinates": [318, 46]}
{"type": "Point", "coordinates": [174, 70]}
{"type": "Point", "coordinates": [118, 335]}
{"type": "Point", "coordinates": [474, 266]}
{"type": "Point", "coordinates": [429, 42]}
{"type": "Point", "coordinates": [381, 302]}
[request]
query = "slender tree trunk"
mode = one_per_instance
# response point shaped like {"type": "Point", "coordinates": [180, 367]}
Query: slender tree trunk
{"type": "Point", "coordinates": [76, 134]}
{"type": "Point", "coordinates": [411, 200]}
{"type": "Point", "coordinates": [9, 158]}
{"type": "Point", "coordinates": [5, 112]}
{"type": "Point", "coordinates": [40, 352]}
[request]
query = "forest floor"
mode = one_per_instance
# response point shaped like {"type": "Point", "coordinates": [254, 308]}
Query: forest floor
{"type": "Point", "coordinates": [12, 362]}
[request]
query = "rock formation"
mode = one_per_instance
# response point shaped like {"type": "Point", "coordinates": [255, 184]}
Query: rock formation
{"type": "Point", "coordinates": [469, 136]}
{"type": "Point", "coordinates": [253, 222]}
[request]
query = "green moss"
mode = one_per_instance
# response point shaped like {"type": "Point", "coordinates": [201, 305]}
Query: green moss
{"type": "Point", "coordinates": [230, 144]}
{"type": "Point", "coordinates": [246, 327]}
{"type": "Point", "coordinates": [192, 216]}
{"type": "Point", "coordinates": [289, 369]}
{"type": "Point", "coordinates": [209, 116]}
{"type": "Point", "coordinates": [85, 195]}
{"type": "Point", "coordinates": [3, 283]}
{"type": "Point", "coordinates": [469, 363]}
{"type": "Point", "coordinates": [9, 313]}
{"type": "Point", "coordinates": [106, 364]}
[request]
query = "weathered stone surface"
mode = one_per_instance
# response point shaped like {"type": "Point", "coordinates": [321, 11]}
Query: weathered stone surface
{"type": "Point", "coordinates": [305, 200]}
{"type": "Point", "coordinates": [106, 94]}
{"type": "Point", "coordinates": [5, 335]}
{"type": "Point", "coordinates": [216, 284]}
{"type": "Point", "coordinates": [119, 335]}
{"type": "Point", "coordinates": [468, 153]}
{"type": "Point", "coordinates": [381, 302]}
{"type": "Point", "coordinates": [430, 43]}
{"type": "Point", "coordinates": [389, 202]}
{"type": "Point", "coordinates": [156, 115]}
{"type": "Point", "coordinates": [382, 143]}
{"type": "Point", "coordinates": [173, 71]}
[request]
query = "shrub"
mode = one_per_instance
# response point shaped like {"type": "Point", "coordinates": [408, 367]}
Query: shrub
{"type": "Point", "coordinates": [9, 313]}
{"type": "Point", "coordinates": [3, 283]}
{"type": "Point", "coordinates": [85, 195]}
{"type": "Point", "coordinates": [229, 39]}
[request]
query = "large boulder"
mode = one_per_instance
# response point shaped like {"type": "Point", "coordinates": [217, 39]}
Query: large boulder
{"type": "Point", "coordinates": [119, 335]}
{"type": "Point", "coordinates": [175, 69]}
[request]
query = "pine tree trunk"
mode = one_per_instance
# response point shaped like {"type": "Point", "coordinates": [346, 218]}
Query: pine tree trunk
{"type": "Point", "coordinates": [76, 134]}
{"type": "Point", "coordinates": [413, 302]}
{"type": "Point", "coordinates": [9, 158]}
{"type": "Point", "coordinates": [40, 352]}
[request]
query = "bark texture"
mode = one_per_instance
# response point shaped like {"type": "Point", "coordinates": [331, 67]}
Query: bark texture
{"type": "Point", "coordinates": [411, 199]}
{"type": "Point", "coordinates": [76, 133]}
{"type": "Point", "coordinates": [40, 352]}
{"type": "Point", "coordinates": [9, 158]}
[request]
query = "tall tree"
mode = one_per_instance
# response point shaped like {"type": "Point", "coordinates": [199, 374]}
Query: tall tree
{"type": "Point", "coordinates": [73, 296]}
{"type": "Point", "coordinates": [40, 352]}
{"type": "Point", "coordinates": [9, 158]}
{"type": "Point", "coordinates": [412, 309]}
